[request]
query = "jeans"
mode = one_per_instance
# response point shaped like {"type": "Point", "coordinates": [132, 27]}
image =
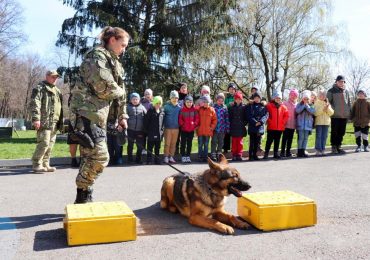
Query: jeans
{"type": "Point", "coordinates": [303, 138]}
{"type": "Point", "coordinates": [217, 142]}
{"type": "Point", "coordinates": [203, 142]}
{"type": "Point", "coordinates": [321, 136]}
{"type": "Point", "coordinates": [114, 149]}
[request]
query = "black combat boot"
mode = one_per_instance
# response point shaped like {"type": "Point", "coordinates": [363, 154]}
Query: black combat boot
{"type": "Point", "coordinates": [89, 195]}
{"type": "Point", "coordinates": [82, 196]}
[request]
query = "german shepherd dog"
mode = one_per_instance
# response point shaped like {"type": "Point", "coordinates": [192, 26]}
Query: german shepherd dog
{"type": "Point", "coordinates": [201, 197]}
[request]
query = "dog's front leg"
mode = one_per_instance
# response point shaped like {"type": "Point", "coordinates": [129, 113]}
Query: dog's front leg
{"type": "Point", "coordinates": [205, 222]}
{"type": "Point", "coordinates": [230, 219]}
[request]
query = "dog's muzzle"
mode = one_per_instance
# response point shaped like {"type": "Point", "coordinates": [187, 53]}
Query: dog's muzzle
{"type": "Point", "coordinates": [237, 188]}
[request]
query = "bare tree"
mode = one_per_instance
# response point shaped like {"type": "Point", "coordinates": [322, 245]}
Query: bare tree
{"type": "Point", "coordinates": [11, 34]}
{"type": "Point", "coordinates": [357, 75]}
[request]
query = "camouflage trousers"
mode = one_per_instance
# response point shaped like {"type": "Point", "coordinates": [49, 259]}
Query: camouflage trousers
{"type": "Point", "coordinates": [45, 143]}
{"type": "Point", "coordinates": [93, 161]}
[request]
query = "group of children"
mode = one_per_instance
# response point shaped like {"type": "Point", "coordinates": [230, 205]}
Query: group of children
{"type": "Point", "coordinates": [229, 117]}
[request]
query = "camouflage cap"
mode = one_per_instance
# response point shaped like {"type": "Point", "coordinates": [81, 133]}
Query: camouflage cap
{"type": "Point", "coordinates": [52, 73]}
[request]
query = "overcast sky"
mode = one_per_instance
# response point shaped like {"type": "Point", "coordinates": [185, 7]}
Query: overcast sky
{"type": "Point", "coordinates": [43, 20]}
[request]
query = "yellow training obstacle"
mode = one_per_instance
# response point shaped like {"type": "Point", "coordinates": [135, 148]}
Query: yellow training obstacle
{"type": "Point", "coordinates": [277, 210]}
{"type": "Point", "coordinates": [99, 222]}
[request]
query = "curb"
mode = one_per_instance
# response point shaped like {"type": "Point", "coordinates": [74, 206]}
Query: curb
{"type": "Point", "coordinates": [62, 161]}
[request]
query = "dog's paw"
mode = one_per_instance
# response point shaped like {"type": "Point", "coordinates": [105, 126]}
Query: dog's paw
{"type": "Point", "coordinates": [242, 225]}
{"type": "Point", "coordinates": [227, 230]}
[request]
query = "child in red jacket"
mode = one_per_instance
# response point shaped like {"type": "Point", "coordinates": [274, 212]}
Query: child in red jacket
{"type": "Point", "coordinates": [188, 121]}
{"type": "Point", "coordinates": [278, 116]}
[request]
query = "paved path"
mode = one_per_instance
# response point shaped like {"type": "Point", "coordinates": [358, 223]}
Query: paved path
{"type": "Point", "coordinates": [32, 208]}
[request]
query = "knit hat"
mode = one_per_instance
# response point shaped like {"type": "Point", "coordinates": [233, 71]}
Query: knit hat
{"type": "Point", "coordinates": [254, 88]}
{"type": "Point", "coordinates": [188, 98]}
{"type": "Point", "coordinates": [231, 85]}
{"type": "Point", "coordinates": [306, 94]}
{"type": "Point", "coordinates": [340, 77]}
{"type": "Point", "coordinates": [220, 95]}
{"type": "Point", "coordinates": [206, 98]}
{"type": "Point", "coordinates": [157, 100]}
{"type": "Point", "coordinates": [294, 92]}
{"type": "Point", "coordinates": [133, 95]}
{"type": "Point", "coordinates": [148, 91]}
{"type": "Point", "coordinates": [238, 95]}
{"type": "Point", "coordinates": [361, 91]}
{"type": "Point", "coordinates": [205, 88]}
{"type": "Point", "coordinates": [174, 94]}
{"type": "Point", "coordinates": [256, 94]}
{"type": "Point", "coordinates": [276, 94]}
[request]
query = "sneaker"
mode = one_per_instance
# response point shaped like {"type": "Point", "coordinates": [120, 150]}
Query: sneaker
{"type": "Point", "coordinates": [144, 152]}
{"type": "Point", "coordinates": [358, 149]}
{"type": "Point", "coordinates": [340, 150]}
{"type": "Point", "coordinates": [366, 149]}
{"type": "Point", "coordinates": [184, 159]}
{"type": "Point", "coordinates": [318, 153]}
{"type": "Point", "coordinates": [234, 159]}
{"type": "Point", "coordinates": [171, 160]}
{"type": "Point", "coordinates": [334, 150]}
{"type": "Point", "coordinates": [165, 159]}
{"type": "Point", "coordinates": [188, 160]}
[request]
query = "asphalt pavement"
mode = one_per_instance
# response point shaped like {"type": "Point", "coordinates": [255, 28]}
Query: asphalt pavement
{"type": "Point", "coordinates": [32, 209]}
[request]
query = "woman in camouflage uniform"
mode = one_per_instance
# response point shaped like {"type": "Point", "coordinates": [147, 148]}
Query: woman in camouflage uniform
{"type": "Point", "coordinates": [101, 83]}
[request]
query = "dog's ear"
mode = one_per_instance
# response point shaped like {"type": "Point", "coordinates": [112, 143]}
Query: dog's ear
{"type": "Point", "coordinates": [222, 159]}
{"type": "Point", "coordinates": [212, 164]}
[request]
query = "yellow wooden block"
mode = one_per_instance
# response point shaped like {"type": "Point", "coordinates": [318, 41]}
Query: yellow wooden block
{"type": "Point", "coordinates": [277, 210]}
{"type": "Point", "coordinates": [99, 222]}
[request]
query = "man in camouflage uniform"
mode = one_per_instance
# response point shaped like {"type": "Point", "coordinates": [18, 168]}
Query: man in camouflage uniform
{"type": "Point", "coordinates": [47, 118]}
{"type": "Point", "coordinates": [101, 83]}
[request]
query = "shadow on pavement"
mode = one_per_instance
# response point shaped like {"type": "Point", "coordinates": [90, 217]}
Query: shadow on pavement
{"type": "Point", "coordinates": [155, 221]}
{"type": "Point", "coordinates": [15, 171]}
{"type": "Point", "coordinates": [50, 240]}
{"type": "Point", "coordinates": [7, 223]}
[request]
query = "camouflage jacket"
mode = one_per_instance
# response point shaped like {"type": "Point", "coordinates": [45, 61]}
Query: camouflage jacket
{"type": "Point", "coordinates": [42, 105]}
{"type": "Point", "coordinates": [100, 85]}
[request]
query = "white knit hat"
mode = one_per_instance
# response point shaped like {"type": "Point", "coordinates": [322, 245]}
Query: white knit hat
{"type": "Point", "coordinates": [148, 91]}
{"type": "Point", "coordinates": [306, 94]}
{"type": "Point", "coordinates": [206, 88]}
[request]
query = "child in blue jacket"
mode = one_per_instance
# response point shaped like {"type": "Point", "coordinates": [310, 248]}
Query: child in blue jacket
{"type": "Point", "coordinates": [305, 112]}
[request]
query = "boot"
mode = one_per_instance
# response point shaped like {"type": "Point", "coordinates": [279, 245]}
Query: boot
{"type": "Point", "coordinates": [334, 149]}
{"type": "Point", "coordinates": [39, 169]}
{"type": "Point", "coordinates": [82, 196]}
{"type": "Point", "coordinates": [49, 168]}
{"type": "Point", "coordinates": [89, 195]}
{"type": "Point", "coordinates": [74, 163]}
{"type": "Point", "coordinates": [276, 156]}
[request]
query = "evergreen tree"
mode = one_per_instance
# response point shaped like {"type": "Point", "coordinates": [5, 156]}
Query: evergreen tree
{"type": "Point", "coordinates": [163, 32]}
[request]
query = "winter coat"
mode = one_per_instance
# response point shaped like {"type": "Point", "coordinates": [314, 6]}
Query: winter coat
{"type": "Point", "coordinates": [305, 113]}
{"type": "Point", "coordinates": [44, 99]}
{"type": "Point", "coordinates": [360, 113]}
{"type": "Point", "coordinates": [256, 112]}
{"type": "Point", "coordinates": [136, 115]}
{"type": "Point", "coordinates": [278, 116]}
{"type": "Point", "coordinates": [223, 124]}
{"type": "Point", "coordinates": [188, 119]}
{"type": "Point", "coordinates": [322, 117]}
{"type": "Point", "coordinates": [153, 124]}
{"type": "Point", "coordinates": [291, 123]}
{"type": "Point", "coordinates": [146, 103]}
{"type": "Point", "coordinates": [229, 99]}
{"type": "Point", "coordinates": [171, 116]}
{"type": "Point", "coordinates": [207, 121]}
{"type": "Point", "coordinates": [340, 101]}
{"type": "Point", "coordinates": [238, 120]}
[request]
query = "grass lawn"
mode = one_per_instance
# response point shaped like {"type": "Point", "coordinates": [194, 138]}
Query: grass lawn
{"type": "Point", "coordinates": [24, 145]}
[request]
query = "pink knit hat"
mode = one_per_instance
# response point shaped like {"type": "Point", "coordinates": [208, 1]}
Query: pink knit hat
{"type": "Point", "coordinates": [294, 92]}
